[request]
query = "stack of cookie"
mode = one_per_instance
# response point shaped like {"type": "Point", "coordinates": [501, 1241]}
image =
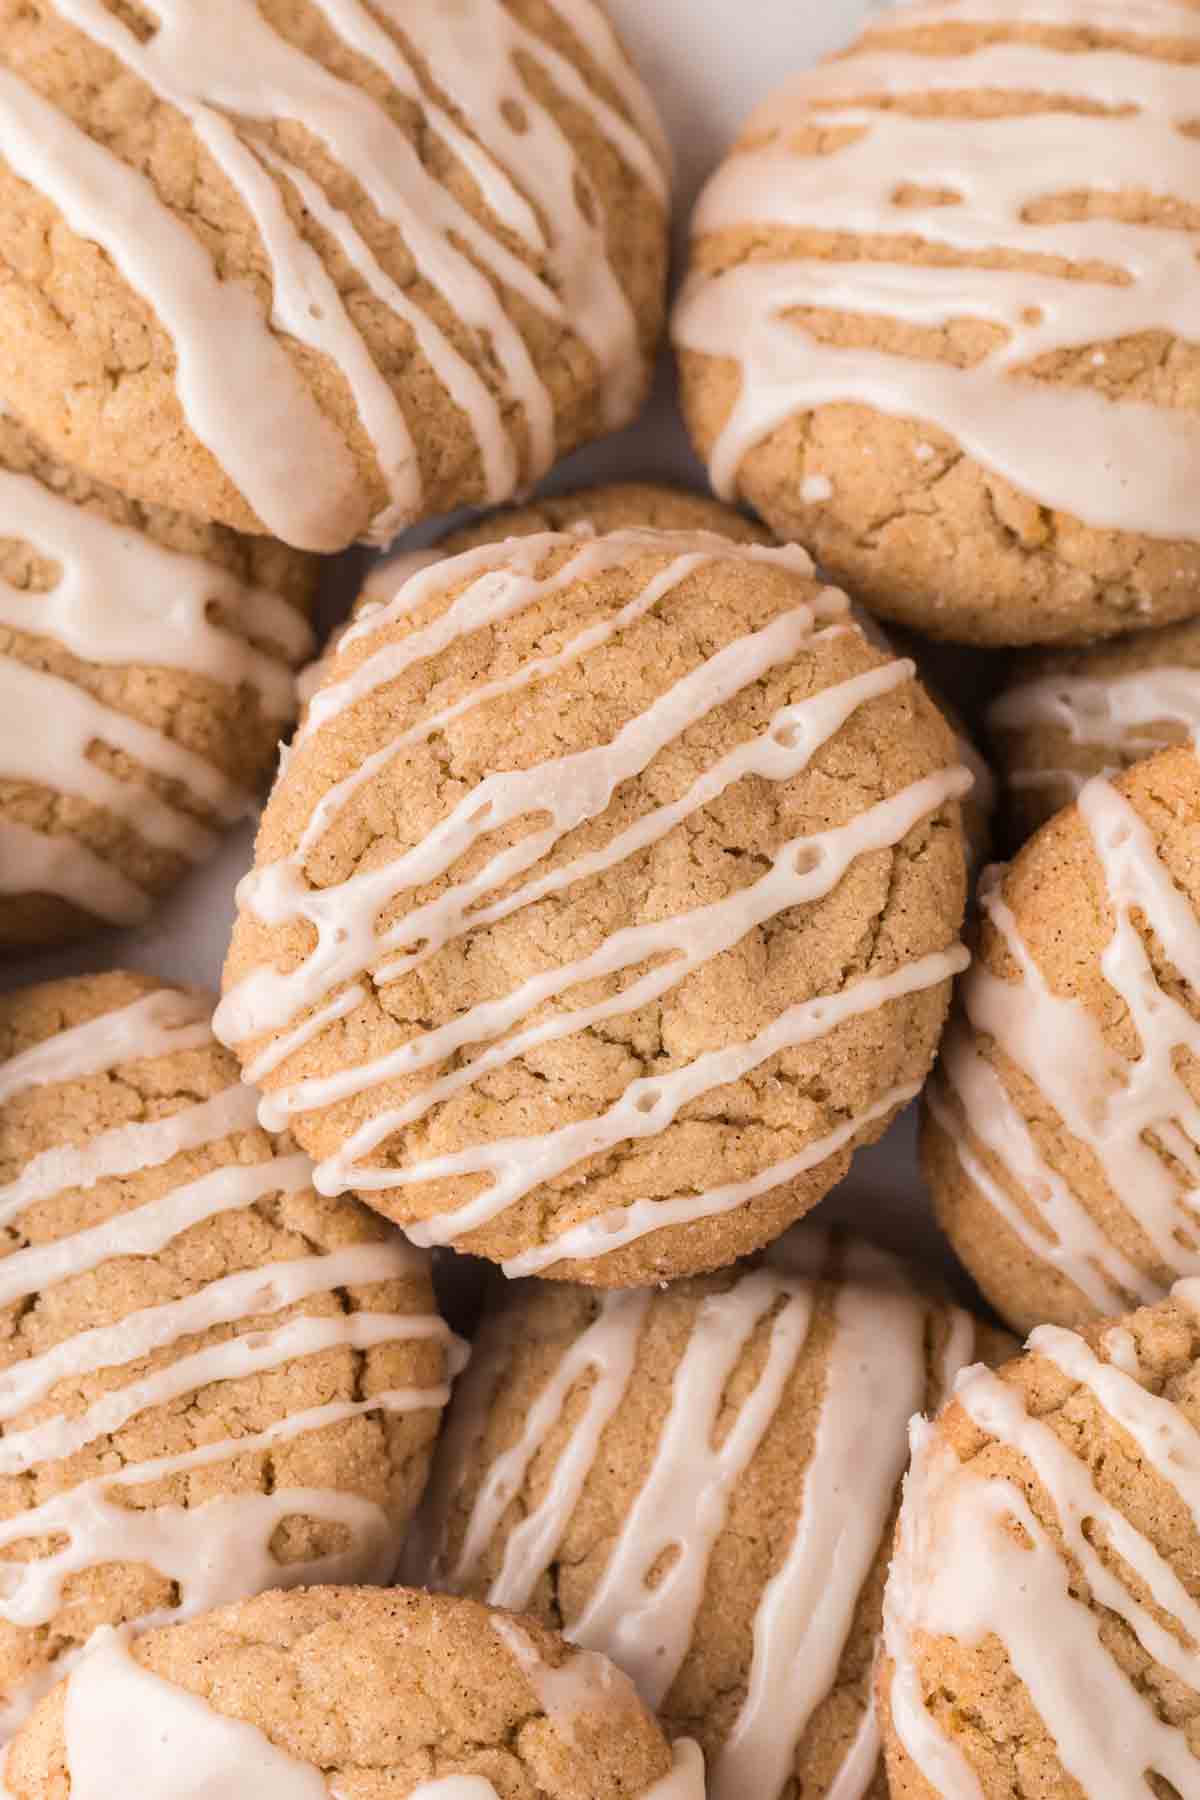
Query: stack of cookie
{"type": "Point", "coordinates": [608, 898]}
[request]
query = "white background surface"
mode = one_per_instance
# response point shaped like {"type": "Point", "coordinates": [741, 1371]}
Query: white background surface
{"type": "Point", "coordinates": [707, 62]}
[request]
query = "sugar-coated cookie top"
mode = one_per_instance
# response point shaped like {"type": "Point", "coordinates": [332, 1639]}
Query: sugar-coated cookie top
{"type": "Point", "coordinates": [611, 889]}
{"type": "Point", "coordinates": [1041, 1614]}
{"type": "Point", "coordinates": [928, 265]}
{"type": "Point", "coordinates": [168, 643]}
{"type": "Point", "coordinates": [346, 265]}
{"type": "Point", "coordinates": [350, 1692]}
{"type": "Point", "coordinates": [1065, 1114]}
{"type": "Point", "coordinates": [663, 1474]}
{"type": "Point", "coordinates": [214, 1381]}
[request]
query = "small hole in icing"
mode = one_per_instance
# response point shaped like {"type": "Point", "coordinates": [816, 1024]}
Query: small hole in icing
{"type": "Point", "coordinates": [806, 859]}
{"type": "Point", "coordinates": [481, 814]}
{"type": "Point", "coordinates": [787, 736]}
{"type": "Point", "coordinates": [316, 312]}
{"type": "Point", "coordinates": [647, 1102]}
{"type": "Point", "coordinates": [1120, 837]}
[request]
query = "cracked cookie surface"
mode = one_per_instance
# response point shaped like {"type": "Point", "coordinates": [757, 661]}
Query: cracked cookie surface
{"type": "Point", "coordinates": [919, 338]}
{"type": "Point", "coordinates": [146, 674]}
{"type": "Point", "coordinates": [661, 1475]}
{"type": "Point", "coordinates": [390, 1693]}
{"type": "Point", "coordinates": [608, 899]}
{"type": "Point", "coordinates": [214, 1379]}
{"type": "Point", "coordinates": [323, 272]}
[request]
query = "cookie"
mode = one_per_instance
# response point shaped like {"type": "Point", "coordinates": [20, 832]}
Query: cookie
{"type": "Point", "coordinates": [146, 673]}
{"type": "Point", "coordinates": [1041, 1618]}
{"type": "Point", "coordinates": [1067, 715]}
{"type": "Point", "coordinates": [319, 271]}
{"type": "Point", "coordinates": [215, 1381]}
{"type": "Point", "coordinates": [925, 268]}
{"type": "Point", "coordinates": [609, 897]}
{"type": "Point", "coordinates": [663, 1476]}
{"type": "Point", "coordinates": [1060, 1127]}
{"type": "Point", "coordinates": [349, 1691]}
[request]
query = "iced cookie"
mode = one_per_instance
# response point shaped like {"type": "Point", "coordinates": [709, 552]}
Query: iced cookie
{"type": "Point", "coordinates": [214, 1380]}
{"type": "Point", "coordinates": [1041, 1618]}
{"type": "Point", "coordinates": [322, 271]}
{"type": "Point", "coordinates": [146, 674]}
{"type": "Point", "coordinates": [608, 899]}
{"type": "Point", "coordinates": [1062, 1124]}
{"type": "Point", "coordinates": [666, 1476]}
{"type": "Point", "coordinates": [350, 1692]}
{"type": "Point", "coordinates": [1067, 715]}
{"type": "Point", "coordinates": [938, 327]}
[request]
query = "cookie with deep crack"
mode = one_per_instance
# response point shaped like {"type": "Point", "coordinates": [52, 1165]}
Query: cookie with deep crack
{"type": "Point", "coordinates": [146, 673]}
{"type": "Point", "coordinates": [700, 1481]}
{"type": "Point", "coordinates": [1061, 1123]}
{"type": "Point", "coordinates": [321, 271]}
{"type": "Point", "coordinates": [214, 1380]}
{"type": "Point", "coordinates": [608, 899]}
{"type": "Point", "coordinates": [1066, 715]}
{"type": "Point", "coordinates": [1041, 1611]}
{"type": "Point", "coordinates": [929, 265]}
{"type": "Point", "coordinates": [351, 1691]}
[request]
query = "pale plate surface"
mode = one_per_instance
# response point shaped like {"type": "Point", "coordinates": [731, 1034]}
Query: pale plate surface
{"type": "Point", "coordinates": [708, 62]}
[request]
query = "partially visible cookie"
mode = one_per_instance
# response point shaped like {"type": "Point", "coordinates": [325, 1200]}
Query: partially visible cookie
{"type": "Point", "coordinates": [1066, 715]}
{"type": "Point", "coordinates": [212, 1379]}
{"type": "Point", "coordinates": [322, 271]}
{"type": "Point", "coordinates": [608, 899]}
{"type": "Point", "coordinates": [146, 674]}
{"type": "Point", "coordinates": [700, 1482]}
{"type": "Point", "coordinates": [354, 1692]}
{"type": "Point", "coordinates": [936, 325]}
{"type": "Point", "coordinates": [1041, 1616]}
{"type": "Point", "coordinates": [1061, 1125]}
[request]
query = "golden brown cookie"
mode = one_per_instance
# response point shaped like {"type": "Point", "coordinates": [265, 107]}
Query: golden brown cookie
{"type": "Point", "coordinates": [608, 899]}
{"type": "Point", "coordinates": [1041, 1616]}
{"type": "Point", "coordinates": [700, 1482]}
{"type": "Point", "coordinates": [214, 1379]}
{"type": "Point", "coordinates": [146, 674]}
{"type": "Point", "coordinates": [936, 326]}
{"type": "Point", "coordinates": [323, 271]}
{"type": "Point", "coordinates": [353, 1691]}
{"type": "Point", "coordinates": [1066, 715]}
{"type": "Point", "coordinates": [1061, 1125]}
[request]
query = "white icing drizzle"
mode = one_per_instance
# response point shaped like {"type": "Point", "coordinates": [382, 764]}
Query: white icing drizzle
{"type": "Point", "coordinates": [876, 1369]}
{"type": "Point", "coordinates": [129, 1731]}
{"type": "Point", "coordinates": [583, 1683]}
{"type": "Point", "coordinates": [962, 1573]}
{"type": "Point", "coordinates": [1127, 1112]}
{"type": "Point", "coordinates": [61, 866]}
{"type": "Point", "coordinates": [1133, 466]}
{"type": "Point", "coordinates": [120, 598]}
{"type": "Point", "coordinates": [163, 1023]}
{"type": "Point", "coordinates": [240, 392]}
{"type": "Point", "coordinates": [1113, 714]}
{"type": "Point", "coordinates": [221, 1550]}
{"type": "Point", "coordinates": [492, 583]}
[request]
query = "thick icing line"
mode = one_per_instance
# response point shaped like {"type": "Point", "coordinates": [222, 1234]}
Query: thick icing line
{"type": "Point", "coordinates": [1114, 714]}
{"type": "Point", "coordinates": [232, 67]}
{"type": "Point", "coordinates": [962, 1573]}
{"type": "Point", "coordinates": [34, 862]}
{"type": "Point", "coordinates": [999, 167]}
{"type": "Point", "coordinates": [1125, 1111]}
{"type": "Point", "coordinates": [158, 1024]}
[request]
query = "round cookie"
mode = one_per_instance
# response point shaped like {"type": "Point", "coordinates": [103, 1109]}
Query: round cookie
{"type": "Point", "coordinates": [608, 899]}
{"type": "Point", "coordinates": [1067, 715]}
{"type": "Point", "coordinates": [1061, 1125]}
{"type": "Point", "coordinates": [355, 1692]}
{"type": "Point", "coordinates": [146, 674]}
{"type": "Point", "coordinates": [1041, 1617]}
{"type": "Point", "coordinates": [926, 267]}
{"type": "Point", "coordinates": [214, 1381]}
{"type": "Point", "coordinates": [321, 271]}
{"type": "Point", "coordinates": [663, 1475]}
